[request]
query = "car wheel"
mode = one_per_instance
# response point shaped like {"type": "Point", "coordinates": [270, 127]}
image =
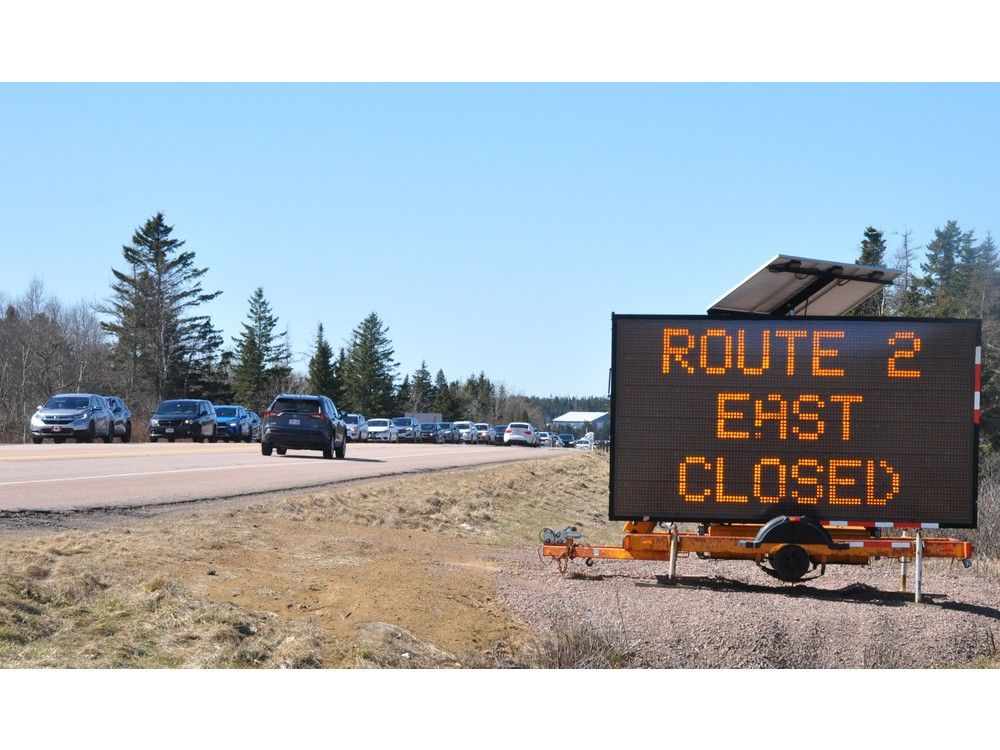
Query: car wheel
{"type": "Point", "coordinates": [36, 440]}
{"type": "Point", "coordinates": [59, 440]}
{"type": "Point", "coordinates": [281, 451]}
{"type": "Point", "coordinates": [342, 450]}
{"type": "Point", "coordinates": [213, 437]}
{"type": "Point", "coordinates": [199, 437]}
{"type": "Point", "coordinates": [89, 437]}
{"type": "Point", "coordinates": [110, 434]}
{"type": "Point", "coordinates": [265, 448]}
{"type": "Point", "coordinates": [330, 448]}
{"type": "Point", "coordinates": [127, 437]}
{"type": "Point", "coordinates": [153, 439]}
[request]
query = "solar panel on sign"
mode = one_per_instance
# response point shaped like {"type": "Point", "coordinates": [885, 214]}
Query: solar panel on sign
{"type": "Point", "coordinates": [803, 286]}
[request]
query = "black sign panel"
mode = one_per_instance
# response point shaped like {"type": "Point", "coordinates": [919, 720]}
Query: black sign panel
{"type": "Point", "coordinates": [836, 418]}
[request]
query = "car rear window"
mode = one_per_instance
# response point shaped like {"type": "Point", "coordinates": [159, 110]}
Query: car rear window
{"type": "Point", "coordinates": [299, 405]}
{"type": "Point", "coordinates": [378, 422]}
{"type": "Point", "coordinates": [520, 425]}
{"type": "Point", "coordinates": [351, 419]}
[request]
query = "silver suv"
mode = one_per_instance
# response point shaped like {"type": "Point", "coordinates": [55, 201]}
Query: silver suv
{"type": "Point", "coordinates": [408, 427]}
{"type": "Point", "coordinates": [82, 416]}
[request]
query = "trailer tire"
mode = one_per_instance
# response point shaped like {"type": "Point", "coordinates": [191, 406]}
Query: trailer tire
{"type": "Point", "coordinates": [789, 562]}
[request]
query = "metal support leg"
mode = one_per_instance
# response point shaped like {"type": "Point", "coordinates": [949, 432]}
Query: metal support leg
{"type": "Point", "coordinates": [673, 554]}
{"type": "Point", "coordinates": [902, 570]}
{"type": "Point", "coordinates": [918, 566]}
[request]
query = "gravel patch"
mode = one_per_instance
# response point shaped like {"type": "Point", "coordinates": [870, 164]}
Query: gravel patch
{"type": "Point", "coordinates": [730, 614]}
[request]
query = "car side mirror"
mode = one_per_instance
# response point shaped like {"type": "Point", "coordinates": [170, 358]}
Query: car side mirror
{"type": "Point", "coordinates": [38, 408]}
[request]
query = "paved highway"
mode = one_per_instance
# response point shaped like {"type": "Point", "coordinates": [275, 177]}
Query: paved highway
{"type": "Point", "coordinates": [79, 476]}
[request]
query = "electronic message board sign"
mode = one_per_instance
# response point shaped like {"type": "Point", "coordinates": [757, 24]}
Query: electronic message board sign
{"type": "Point", "coordinates": [745, 419]}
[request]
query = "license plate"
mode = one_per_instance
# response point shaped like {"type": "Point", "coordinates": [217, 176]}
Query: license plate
{"type": "Point", "coordinates": [169, 430]}
{"type": "Point", "coordinates": [294, 421]}
{"type": "Point", "coordinates": [57, 429]}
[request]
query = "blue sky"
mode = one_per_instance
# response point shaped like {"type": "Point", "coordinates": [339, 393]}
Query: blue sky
{"type": "Point", "coordinates": [492, 227]}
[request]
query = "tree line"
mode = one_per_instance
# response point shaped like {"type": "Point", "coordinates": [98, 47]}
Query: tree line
{"type": "Point", "coordinates": [149, 340]}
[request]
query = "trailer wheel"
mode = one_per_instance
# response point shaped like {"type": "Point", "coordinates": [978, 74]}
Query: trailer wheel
{"type": "Point", "coordinates": [789, 562]}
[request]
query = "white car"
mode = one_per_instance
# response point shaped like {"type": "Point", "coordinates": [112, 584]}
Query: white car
{"type": "Point", "coordinates": [586, 443]}
{"type": "Point", "coordinates": [546, 439]}
{"type": "Point", "coordinates": [467, 432]}
{"type": "Point", "coordinates": [383, 430]}
{"type": "Point", "coordinates": [484, 432]}
{"type": "Point", "coordinates": [520, 433]}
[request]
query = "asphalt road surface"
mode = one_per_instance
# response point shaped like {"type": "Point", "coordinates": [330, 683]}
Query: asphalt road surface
{"type": "Point", "coordinates": [72, 476]}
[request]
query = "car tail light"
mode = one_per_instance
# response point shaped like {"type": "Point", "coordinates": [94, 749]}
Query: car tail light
{"type": "Point", "coordinates": [319, 415]}
{"type": "Point", "coordinates": [508, 430]}
{"type": "Point", "coordinates": [527, 432]}
{"type": "Point", "coordinates": [268, 413]}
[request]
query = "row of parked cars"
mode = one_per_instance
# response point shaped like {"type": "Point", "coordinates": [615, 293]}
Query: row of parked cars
{"type": "Point", "coordinates": [85, 417]}
{"type": "Point", "coordinates": [408, 429]}
{"type": "Point", "coordinates": [291, 421]}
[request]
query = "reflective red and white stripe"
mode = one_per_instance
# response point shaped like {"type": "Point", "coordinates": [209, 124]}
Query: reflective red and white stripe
{"type": "Point", "coordinates": [883, 524]}
{"type": "Point", "coordinates": [979, 381]}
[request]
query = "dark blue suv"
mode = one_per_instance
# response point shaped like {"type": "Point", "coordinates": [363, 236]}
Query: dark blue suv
{"type": "Point", "coordinates": [303, 421]}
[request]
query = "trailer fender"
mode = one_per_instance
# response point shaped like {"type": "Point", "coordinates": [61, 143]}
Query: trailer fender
{"type": "Point", "coordinates": [793, 530]}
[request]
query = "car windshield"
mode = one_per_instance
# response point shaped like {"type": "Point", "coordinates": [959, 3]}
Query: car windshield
{"type": "Point", "coordinates": [426, 427]}
{"type": "Point", "coordinates": [178, 407]}
{"type": "Point", "coordinates": [566, 436]}
{"type": "Point", "coordinates": [401, 422]}
{"type": "Point", "coordinates": [445, 425]}
{"type": "Point", "coordinates": [225, 411]}
{"type": "Point", "coordinates": [482, 426]}
{"type": "Point", "coordinates": [351, 419]}
{"type": "Point", "coordinates": [378, 422]}
{"type": "Point", "coordinates": [463, 425]}
{"type": "Point", "coordinates": [68, 402]}
{"type": "Point", "coordinates": [298, 405]}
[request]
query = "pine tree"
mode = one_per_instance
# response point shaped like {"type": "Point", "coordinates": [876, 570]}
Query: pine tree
{"type": "Point", "coordinates": [370, 372]}
{"type": "Point", "coordinates": [940, 288]}
{"type": "Point", "coordinates": [339, 377]}
{"type": "Point", "coordinates": [421, 390]}
{"type": "Point", "coordinates": [322, 372]}
{"type": "Point", "coordinates": [872, 254]}
{"type": "Point", "coordinates": [156, 339]}
{"type": "Point", "coordinates": [404, 396]}
{"type": "Point", "coordinates": [262, 356]}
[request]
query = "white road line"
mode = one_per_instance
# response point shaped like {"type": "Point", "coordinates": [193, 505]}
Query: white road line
{"type": "Point", "coordinates": [233, 467]}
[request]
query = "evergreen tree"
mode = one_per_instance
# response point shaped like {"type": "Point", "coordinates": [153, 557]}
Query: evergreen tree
{"type": "Point", "coordinates": [404, 396]}
{"type": "Point", "coordinates": [262, 356]}
{"type": "Point", "coordinates": [156, 338]}
{"type": "Point", "coordinates": [940, 288]}
{"type": "Point", "coordinates": [322, 372]}
{"type": "Point", "coordinates": [370, 371]}
{"type": "Point", "coordinates": [442, 401]}
{"type": "Point", "coordinates": [872, 254]}
{"type": "Point", "coordinates": [339, 375]}
{"type": "Point", "coordinates": [421, 390]}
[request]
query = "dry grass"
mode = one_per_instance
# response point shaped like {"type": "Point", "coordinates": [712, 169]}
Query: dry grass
{"type": "Point", "coordinates": [293, 583]}
{"type": "Point", "coordinates": [58, 613]}
{"type": "Point", "coordinates": [506, 504]}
